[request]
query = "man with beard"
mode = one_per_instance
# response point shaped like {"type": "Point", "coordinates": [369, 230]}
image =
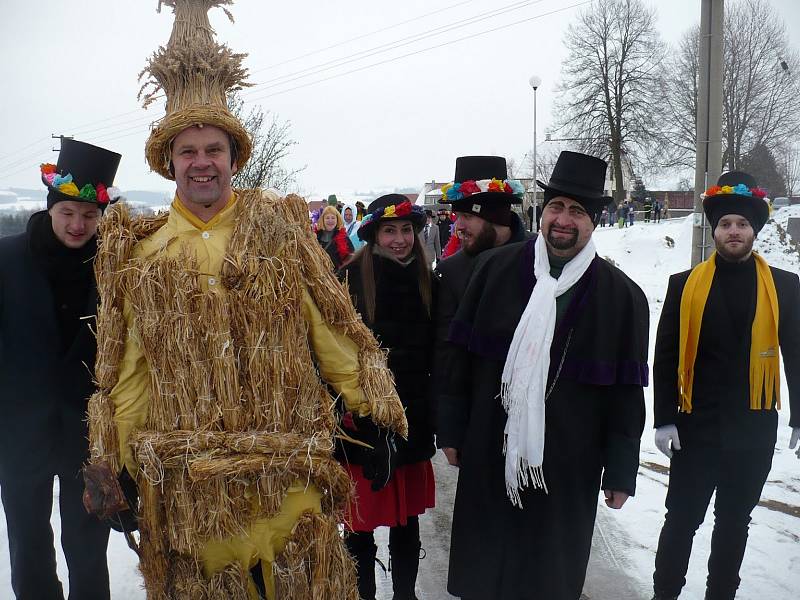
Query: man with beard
{"type": "Point", "coordinates": [481, 197]}
{"type": "Point", "coordinates": [717, 387]}
{"type": "Point", "coordinates": [545, 405]}
{"type": "Point", "coordinates": [48, 300]}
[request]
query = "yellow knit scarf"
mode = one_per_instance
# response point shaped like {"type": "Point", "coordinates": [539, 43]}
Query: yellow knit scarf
{"type": "Point", "coordinates": [764, 359]}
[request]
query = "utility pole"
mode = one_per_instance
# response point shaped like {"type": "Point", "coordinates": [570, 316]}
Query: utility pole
{"type": "Point", "coordinates": [708, 165]}
{"type": "Point", "coordinates": [60, 138]}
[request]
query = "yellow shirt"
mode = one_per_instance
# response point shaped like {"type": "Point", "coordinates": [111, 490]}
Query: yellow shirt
{"type": "Point", "coordinates": [336, 355]}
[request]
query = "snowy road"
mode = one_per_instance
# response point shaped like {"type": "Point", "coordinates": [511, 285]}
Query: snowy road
{"type": "Point", "coordinates": [624, 546]}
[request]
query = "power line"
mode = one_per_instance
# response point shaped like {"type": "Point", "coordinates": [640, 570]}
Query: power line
{"type": "Point", "coordinates": [337, 62]}
{"type": "Point", "coordinates": [314, 70]}
{"type": "Point", "coordinates": [80, 128]}
{"type": "Point", "coordinates": [390, 60]}
{"type": "Point", "coordinates": [360, 37]}
{"type": "Point", "coordinates": [443, 44]}
{"type": "Point", "coordinates": [310, 71]}
{"type": "Point", "coordinates": [112, 135]}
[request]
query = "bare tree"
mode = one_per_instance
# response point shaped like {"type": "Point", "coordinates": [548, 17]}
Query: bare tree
{"type": "Point", "coordinates": [272, 143]}
{"type": "Point", "coordinates": [679, 93]}
{"type": "Point", "coordinates": [761, 94]}
{"type": "Point", "coordinates": [761, 100]}
{"type": "Point", "coordinates": [545, 161]}
{"type": "Point", "coordinates": [789, 167]}
{"type": "Point", "coordinates": [609, 92]}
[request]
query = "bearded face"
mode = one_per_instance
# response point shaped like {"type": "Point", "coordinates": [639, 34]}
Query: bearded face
{"type": "Point", "coordinates": [734, 237]}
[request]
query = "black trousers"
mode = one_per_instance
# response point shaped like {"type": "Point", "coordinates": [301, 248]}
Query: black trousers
{"type": "Point", "coordinates": [28, 503]}
{"type": "Point", "coordinates": [695, 472]}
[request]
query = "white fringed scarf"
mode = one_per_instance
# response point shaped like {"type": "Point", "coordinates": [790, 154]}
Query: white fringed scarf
{"type": "Point", "coordinates": [525, 372]}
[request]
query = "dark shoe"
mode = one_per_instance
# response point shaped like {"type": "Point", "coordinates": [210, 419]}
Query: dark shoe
{"type": "Point", "coordinates": [660, 596]}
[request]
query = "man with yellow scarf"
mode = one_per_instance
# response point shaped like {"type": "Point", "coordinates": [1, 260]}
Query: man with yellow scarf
{"type": "Point", "coordinates": [717, 387]}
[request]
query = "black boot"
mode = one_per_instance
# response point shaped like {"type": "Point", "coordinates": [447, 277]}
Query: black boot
{"type": "Point", "coordinates": [361, 545]}
{"type": "Point", "coordinates": [404, 549]}
{"type": "Point", "coordinates": [660, 596]}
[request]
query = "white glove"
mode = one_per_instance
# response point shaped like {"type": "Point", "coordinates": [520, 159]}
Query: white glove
{"type": "Point", "coordinates": [667, 439]}
{"type": "Point", "coordinates": [794, 439]}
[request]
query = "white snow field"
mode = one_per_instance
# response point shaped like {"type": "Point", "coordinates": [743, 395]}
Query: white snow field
{"type": "Point", "coordinates": [625, 540]}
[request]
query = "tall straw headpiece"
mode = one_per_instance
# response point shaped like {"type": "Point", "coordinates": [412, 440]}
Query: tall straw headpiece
{"type": "Point", "coordinates": [196, 74]}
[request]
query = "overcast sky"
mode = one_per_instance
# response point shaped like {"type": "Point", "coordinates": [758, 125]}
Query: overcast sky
{"type": "Point", "coordinates": [71, 68]}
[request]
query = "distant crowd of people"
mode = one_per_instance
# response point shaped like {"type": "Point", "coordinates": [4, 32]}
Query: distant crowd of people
{"type": "Point", "coordinates": [624, 215]}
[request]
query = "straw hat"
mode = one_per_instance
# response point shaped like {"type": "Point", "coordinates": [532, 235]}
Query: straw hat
{"type": "Point", "coordinates": [196, 74]}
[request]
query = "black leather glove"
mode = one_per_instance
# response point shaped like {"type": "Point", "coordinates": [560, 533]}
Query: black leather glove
{"type": "Point", "coordinates": [380, 462]}
{"type": "Point", "coordinates": [127, 520]}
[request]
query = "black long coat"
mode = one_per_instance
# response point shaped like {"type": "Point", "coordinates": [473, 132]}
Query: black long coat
{"type": "Point", "coordinates": [404, 327]}
{"type": "Point", "coordinates": [721, 414]}
{"type": "Point", "coordinates": [453, 274]}
{"type": "Point", "coordinates": [594, 420]}
{"type": "Point", "coordinates": [43, 389]}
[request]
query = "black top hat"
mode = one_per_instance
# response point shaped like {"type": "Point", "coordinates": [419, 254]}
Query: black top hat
{"type": "Point", "coordinates": [481, 187]}
{"type": "Point", "coordinates": [743, 198]}
{"type": "Point", "coordinates": [390, 207]}
{"type": "Point", "coordinates": [482, 169]}
{"type": "Point", "coordinates": [84, 173]}
{"type": "Point", "coordinates": [580, 177]}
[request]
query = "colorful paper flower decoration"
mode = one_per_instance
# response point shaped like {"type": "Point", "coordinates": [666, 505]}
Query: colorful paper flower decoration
{"type": "Point", "coordinates": [739, 189]}
{"type": "Point", "coordinates": [66, 185]}
{"type": "Point", "coordinates": [393, 211]}
{"type": "Point", "coordinates": [456, 191]}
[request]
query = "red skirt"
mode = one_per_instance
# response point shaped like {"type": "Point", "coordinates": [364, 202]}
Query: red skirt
{"type": "Point", "coordinates": [410, 491]}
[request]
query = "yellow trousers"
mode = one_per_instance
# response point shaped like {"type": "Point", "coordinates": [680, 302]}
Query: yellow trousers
{"type": "Point", "coordinates": [263, 541]}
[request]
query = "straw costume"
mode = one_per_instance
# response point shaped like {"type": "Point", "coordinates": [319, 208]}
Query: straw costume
{"type": "Point", "coordinates": [215, 344]}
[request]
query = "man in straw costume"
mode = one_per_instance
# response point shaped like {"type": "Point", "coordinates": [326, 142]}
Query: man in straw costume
{"type": "Point", "coordinates": [233, 323]}
{"type": "Point", "coordinates": [551, 401]}
{"type": "Point", "coordinates": [716, 378]}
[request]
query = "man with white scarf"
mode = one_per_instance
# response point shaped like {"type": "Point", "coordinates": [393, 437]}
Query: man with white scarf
{"type": "Point", "coordinates": [550, 364]}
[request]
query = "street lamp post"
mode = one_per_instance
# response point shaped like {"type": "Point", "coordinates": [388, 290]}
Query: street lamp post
{"type": "Point", "coordinates": [535, 82]}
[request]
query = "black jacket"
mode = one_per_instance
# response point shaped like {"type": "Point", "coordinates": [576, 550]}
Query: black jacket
{"type": "Point", "coordinates": [339, 248]}
{"type": "Point", "coordinates": [45, 382]}
{"type": "Point", "coordinates": [594, 420]}
{"type": "Point", "coordinates": [453, 274]}
{"type": "Point", "coordinates": [403, 326]}
{"type": "Point", "coordinates": [721, 413]}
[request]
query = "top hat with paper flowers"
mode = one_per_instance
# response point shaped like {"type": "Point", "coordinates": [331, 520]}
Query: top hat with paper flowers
{"type": "Point", "coordinates": [84, 173]}
{"type": "Point", "coordinates": [390, 207]}
{"type": "Point", "coordinates": [481, 186]}
{"type": "Point", "coordinates": [196, 74]}
{"type": "Point", "coordinates": [736, 193]}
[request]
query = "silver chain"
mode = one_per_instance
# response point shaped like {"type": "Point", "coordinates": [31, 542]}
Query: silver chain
{"type": "Point", "coordinates": [560, 364]}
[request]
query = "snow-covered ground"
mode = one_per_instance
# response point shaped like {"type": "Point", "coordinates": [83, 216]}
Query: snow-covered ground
{"type": "Point", "coordinates": [771, 569]}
